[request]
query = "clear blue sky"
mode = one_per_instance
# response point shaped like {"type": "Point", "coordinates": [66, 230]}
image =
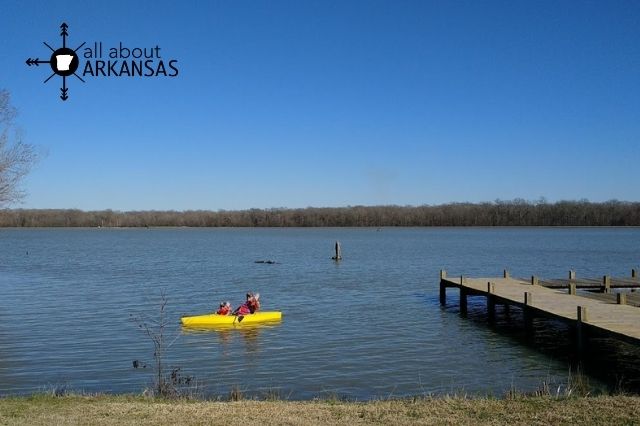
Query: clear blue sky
{"type": "Point", "coordinates": [332, 103]}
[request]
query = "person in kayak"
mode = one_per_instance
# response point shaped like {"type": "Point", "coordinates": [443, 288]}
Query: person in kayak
{"type": "Point", "coordinates": [250, 306]}
{"type": "Point", "coordinates": [225, 308]}
{"type": "Point", "coordinates": [254, 303]}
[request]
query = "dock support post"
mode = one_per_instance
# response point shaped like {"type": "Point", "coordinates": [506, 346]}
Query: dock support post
{"type": "Point", "coordinates": [505, 273]}
{"type": "Point", "coordinates": [534, 280]}
{"type": "Point", "coordinates": [528, 299]}
{"type": "Point", "coordinates": [606, 284]}
{"type": "Point", "coordinates": [491, 302]}
{"type": "Point", "coordinates": [572, 275]}
{"type": "Point", "coordinates": [572, 289]}
{"type": "Point", "coordinates": [443, 287]}
{"type": "Point", "coordinates": [463, 301]}
{"type": "Point", "coordinates": [634, 273]}
{"type": "Point", "coordinates": [581, 318]}
{"type": "Point", "coordinates": [526, 310]}
{"type": "Point", "coordinates": [621, 298]}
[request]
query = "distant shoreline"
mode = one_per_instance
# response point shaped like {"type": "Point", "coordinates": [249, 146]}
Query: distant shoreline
{"type": "Point", "coordinates": [516, 213]}
{"type": "Point", "coordinates": [374, 228]}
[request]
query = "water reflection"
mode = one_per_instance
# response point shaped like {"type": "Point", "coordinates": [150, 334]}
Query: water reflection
{"type": "Point", "coordinates": [226, 328]}
{"type": "Point", "coordinates": [227, 335]}
{"type": "Point", "coordinates": [609, 363]}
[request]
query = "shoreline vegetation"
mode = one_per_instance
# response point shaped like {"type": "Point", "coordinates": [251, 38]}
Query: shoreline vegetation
{"type": "Point", "coordinates": [571, 402]}
{"type": "Point", "coordinates": [516, 212]}
{"type": "Point", "coordinates": [45, 409]}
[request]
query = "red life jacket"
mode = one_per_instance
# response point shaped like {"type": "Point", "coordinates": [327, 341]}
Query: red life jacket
{"type": "Point", "coordinates": [253, 305]}
{"type": "Point", "coordinates": [243, 309]}
{"type": "Point", "coordinates": [223, 310]}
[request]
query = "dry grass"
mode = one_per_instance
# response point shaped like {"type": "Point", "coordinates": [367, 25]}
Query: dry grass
{"type": "Point", "coordinates": [123, 410]}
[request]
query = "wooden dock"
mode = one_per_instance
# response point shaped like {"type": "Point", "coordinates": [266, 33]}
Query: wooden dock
{"type": "Point", "coordinates": [614, 314]}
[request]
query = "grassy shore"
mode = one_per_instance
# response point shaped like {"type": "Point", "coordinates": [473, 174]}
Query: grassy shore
{"type": "Point", "coordinates": [133, 410]}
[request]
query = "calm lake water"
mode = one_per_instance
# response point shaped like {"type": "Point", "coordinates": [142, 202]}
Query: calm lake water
{"type": "Point", "coordinates": [368, 327]}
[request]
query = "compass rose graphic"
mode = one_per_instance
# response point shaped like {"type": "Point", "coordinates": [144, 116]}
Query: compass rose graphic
{"type": "Point", "coordinates": [63, 61]}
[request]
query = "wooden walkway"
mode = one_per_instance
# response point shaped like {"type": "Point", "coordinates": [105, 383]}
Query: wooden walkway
{"type": "Point", "coordinates": [605, 313]}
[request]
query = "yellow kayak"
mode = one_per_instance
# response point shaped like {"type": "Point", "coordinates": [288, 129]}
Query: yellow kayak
{"type": "Point", "coordinates": [215, 319]}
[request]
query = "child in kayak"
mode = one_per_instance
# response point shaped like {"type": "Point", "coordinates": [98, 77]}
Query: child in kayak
{"type": "Point", "coordinates": [250, 306]}
{"type": "Point", "coordinates": [225, 308]}
{"type": "Point", "coordinates": [254, 303]}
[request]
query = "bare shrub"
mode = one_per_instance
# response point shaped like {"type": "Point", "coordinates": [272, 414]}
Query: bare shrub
{"type": "Point", "coordinates": [169, 381]}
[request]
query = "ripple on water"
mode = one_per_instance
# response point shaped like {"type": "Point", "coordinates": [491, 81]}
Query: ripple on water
{"type": "Point", "coordinates": [368, 327]}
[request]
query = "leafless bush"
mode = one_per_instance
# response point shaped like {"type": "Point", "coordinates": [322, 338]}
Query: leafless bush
{"type": "Point", "coordinates": [169, 381]}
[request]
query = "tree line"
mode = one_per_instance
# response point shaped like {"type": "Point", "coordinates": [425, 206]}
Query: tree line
{"type": "Point", "coordinates": [498, 213]}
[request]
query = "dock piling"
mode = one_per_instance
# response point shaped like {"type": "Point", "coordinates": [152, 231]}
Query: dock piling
{"type": "Point", "coordinates": [526, 311]}
{"type": "Point", "coordinates": [463, 300]}
{"type": "Point", "coordinates": [582, 314]}
{"type": "Point", "coordinates": [491, 301]}
{"type": "Point", "coordinates": [621, 298]}
{"type": "Point", "coordinates": [581, 318]}
{"type": "Point", "coordinates": [338, 249]}
{"type": "Point", "coordinates": [443, 287]}
{"type": "Point", "coordinates": [528, 299]}
{"type": "Point", "coordinates": [572, 289]}
{"type": "Point", "coordinates": [606, 284]}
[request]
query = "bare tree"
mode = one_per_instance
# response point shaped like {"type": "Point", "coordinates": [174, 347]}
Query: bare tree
{"type": "Point", "coordinates": [16, 157]}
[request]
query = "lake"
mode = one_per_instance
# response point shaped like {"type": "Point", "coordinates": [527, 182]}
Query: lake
{"type": "Point", "coordinates": [370, 326]}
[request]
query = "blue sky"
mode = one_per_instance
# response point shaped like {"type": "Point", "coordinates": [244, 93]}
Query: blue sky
{"type": "Point", "coordinates": [332, 103]}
